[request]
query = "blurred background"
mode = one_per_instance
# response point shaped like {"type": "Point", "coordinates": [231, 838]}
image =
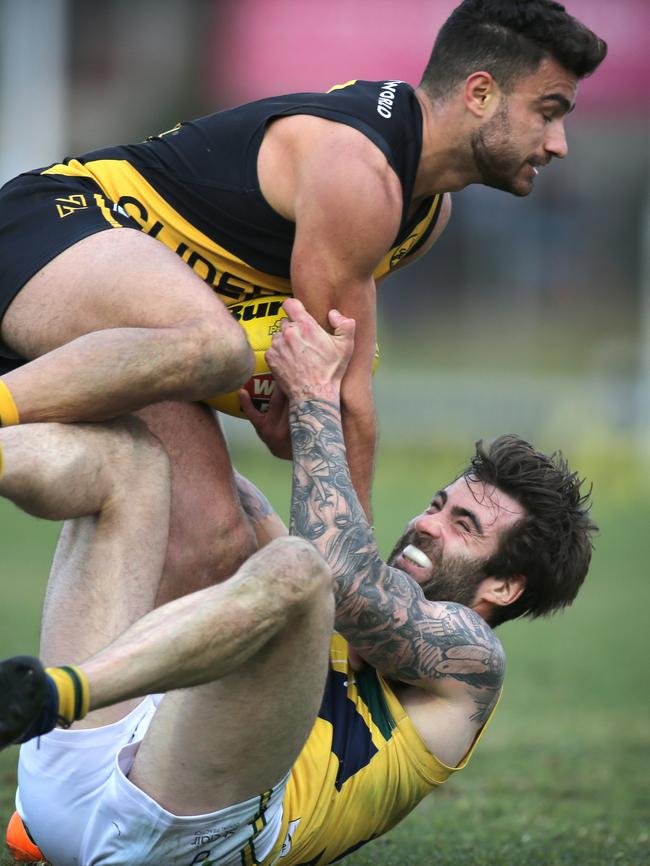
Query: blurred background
{"type": "Point", "coordinates": [530, 315]}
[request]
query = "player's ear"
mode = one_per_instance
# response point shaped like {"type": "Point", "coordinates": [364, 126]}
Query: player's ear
{"type": "Point", "coordinates": [480, 94]}
{"type": "Point", "coordinates": [503, 591]}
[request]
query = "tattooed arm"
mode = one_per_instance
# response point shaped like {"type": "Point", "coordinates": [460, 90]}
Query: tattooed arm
{"type": "Point", "coordinates": [442, 647]}
{"type": "Point", "coordinates": [266, 524]}
{"type": "Point", "coordinates": [381, 610]}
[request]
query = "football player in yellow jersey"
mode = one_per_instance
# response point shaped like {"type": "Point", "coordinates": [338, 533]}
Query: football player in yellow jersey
{"type": "Point", "coordinates": [267, 747]}
{"type": "Point", "coordinates": [116, 265]}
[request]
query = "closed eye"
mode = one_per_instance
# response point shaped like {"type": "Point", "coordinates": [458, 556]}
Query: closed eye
{"type": "Point", "coordinates": [439, 501]}
{"type": "Point", "coordinates": [469, 519]}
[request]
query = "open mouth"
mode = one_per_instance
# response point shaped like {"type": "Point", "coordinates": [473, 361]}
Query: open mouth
{"type": "Point", "coordinates": [536, 166]}
{"type": "Point", "coordinates": [415, 563]}
{"type": "Point", "coordinates": [414, 554]}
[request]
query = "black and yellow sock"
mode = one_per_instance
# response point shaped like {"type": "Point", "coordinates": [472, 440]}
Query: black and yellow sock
{"type": "Point", "coordinates": [35, 700]}
{"type": "Point", "coordinates": [8, 411]}
{"type": "Point", "coordinates": [73, 693]}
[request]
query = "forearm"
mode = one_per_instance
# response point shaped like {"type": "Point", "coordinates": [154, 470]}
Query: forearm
{"type": "Point", "coordinates": [378, 609]}
{"type": "Point", "coordinates": [360, 436]}
{"type": "Point", "coordinates": [325, 508]}
{"type": "Point", "coordinates": [381, 610]}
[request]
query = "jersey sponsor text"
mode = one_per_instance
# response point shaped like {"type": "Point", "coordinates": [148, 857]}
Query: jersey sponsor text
{"type": "Point", "coordinates": [387, 98]}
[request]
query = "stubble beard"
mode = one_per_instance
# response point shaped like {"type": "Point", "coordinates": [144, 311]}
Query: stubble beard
{"type": "Point", "coordinates": [497, 161]}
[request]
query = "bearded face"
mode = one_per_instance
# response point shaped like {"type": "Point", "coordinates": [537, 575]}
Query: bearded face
{"type": "Point", "coordinates": [451, 578]}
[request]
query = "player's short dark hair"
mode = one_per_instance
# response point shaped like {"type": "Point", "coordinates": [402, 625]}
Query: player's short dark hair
{"type": "Point", "coordinates": [552, 544]}
{"type": "Point", "coordinates": [508, 39]}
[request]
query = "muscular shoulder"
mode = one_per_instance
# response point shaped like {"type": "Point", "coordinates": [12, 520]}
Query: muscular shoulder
{"type": "Point", "coordinates": [303, 135]}
{"type": "Point", "coordinates": [327, 167]}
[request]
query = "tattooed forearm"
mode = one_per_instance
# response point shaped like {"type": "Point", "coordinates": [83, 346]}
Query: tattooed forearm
{"type": "Point", "coordinates": [379, 609]}
{"type": "Point", "coordinates": [253, 501]}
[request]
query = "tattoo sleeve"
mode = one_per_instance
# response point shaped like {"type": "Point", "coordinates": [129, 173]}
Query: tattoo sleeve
{"type": "Point", "coordinates": [381, 610]}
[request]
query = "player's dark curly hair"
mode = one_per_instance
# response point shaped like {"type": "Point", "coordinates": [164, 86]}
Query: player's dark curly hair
{"type": "Point", "coordinates": [551, 546]}
{"type": "Point", "coordinates": [508, 39]}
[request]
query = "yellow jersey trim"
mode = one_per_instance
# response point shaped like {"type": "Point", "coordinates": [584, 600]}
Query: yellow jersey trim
{"type": "Point", "coordinates": [100, 201]}
{"type": "Point", "coordinates": [229, 275]}
{"type": "Point", "coordinates": [342, 86]}
{"type": "Point", "coordinates": [125, 186]}
{"type": "Point", "coordinates": [395, 255]}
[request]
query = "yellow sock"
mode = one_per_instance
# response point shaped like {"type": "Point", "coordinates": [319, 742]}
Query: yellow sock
{"type": "Point", "coordinates": [8, 410]}
{"type": "Point", "coordinates": [74, 692]}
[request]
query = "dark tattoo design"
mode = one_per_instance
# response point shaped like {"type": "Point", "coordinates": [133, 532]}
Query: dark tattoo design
{"type": "Point", "coordinates": [381, 610]}
{"type": "Point", "coordinates": [253, 501]}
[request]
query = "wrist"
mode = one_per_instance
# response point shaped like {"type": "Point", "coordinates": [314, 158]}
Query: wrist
{"type": "Point", "coordinates": [328, 391]}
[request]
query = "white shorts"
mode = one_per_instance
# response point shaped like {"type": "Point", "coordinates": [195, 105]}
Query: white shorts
{"type": "Point", "coordinates": [82, 810]}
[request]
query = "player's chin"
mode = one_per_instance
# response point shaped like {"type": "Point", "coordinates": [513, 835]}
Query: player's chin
{"type": "Point", "coordinates": [525, 188]}
{"type": "Point", "coordinates": [520, 187]}
{"type": "Point", "coordinates": [524, 182]}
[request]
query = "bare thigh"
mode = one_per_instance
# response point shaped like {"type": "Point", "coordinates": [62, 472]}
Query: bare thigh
{"type": "Point", "coordinates": [209, 534]}
{"type": "Point", "coordinates": [107, 566]}
{"type": "Point", "coordinates": [115, 278]}
{"type": "Point", "coordinates": [217, 744]}
{"type": "Point", "coordinates": [101, 584]}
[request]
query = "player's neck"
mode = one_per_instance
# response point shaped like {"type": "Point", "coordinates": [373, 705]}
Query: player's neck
{"type": "Point", "coordinates": [446, 163]}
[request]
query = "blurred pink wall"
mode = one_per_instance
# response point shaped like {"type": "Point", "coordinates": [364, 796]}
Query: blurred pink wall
{"type": "Point", "coordinates": [265, 47]}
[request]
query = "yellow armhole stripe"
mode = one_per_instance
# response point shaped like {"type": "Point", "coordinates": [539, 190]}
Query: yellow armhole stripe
{"type": "Point", "coordinates": [384, 266]}
{"type": "Point", "coordinates": [341, 86]}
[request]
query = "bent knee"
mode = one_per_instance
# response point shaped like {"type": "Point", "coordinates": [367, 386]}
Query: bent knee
{"type": "Point", "coordinates": [216, 355]}
{"type": "Point", "coordinates": [299, 572]}
{"type": "Point", "coordinates": [284, 584]}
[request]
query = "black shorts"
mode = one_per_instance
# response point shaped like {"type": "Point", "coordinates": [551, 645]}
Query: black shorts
{"type": "Point", "coordinates": [40, 216]}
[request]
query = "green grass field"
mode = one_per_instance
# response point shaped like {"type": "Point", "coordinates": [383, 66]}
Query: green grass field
{"type": "Point", "coordinates": [562, 776]}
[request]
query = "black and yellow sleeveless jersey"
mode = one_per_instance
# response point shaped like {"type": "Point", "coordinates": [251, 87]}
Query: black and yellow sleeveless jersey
{"type": "Point", "coordinates": [195, 187]}
{"type": "Point", "coordinates": [363, 769]}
